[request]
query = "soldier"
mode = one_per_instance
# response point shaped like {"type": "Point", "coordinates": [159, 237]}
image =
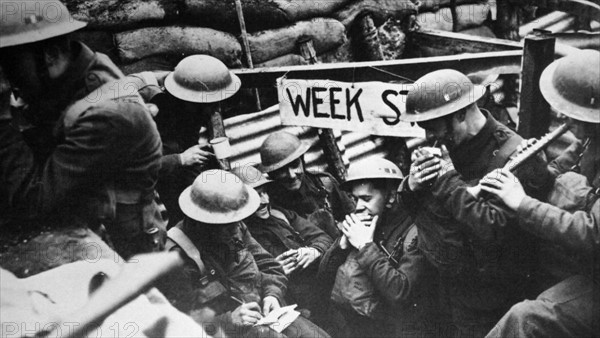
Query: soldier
{"type": "Point", "coordinates": [380, 238]}
{"type": "Point", "coordinates": [101, 166]}
{"type": "Point", "coordinates": [186, 99]}
{"type": "Point", "coordinates": [295, 242]}
{"type": "Point", "coordinates": [313, 196]}
{"type": "Point", "coordinates": [479, 257]}
{"type": "Point", "coordinates": [229, 279]}
{"type": "Point", "coordinates": [570, 218]}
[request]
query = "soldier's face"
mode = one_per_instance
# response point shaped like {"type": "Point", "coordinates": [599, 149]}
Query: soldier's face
{"type": "Point", "coordinates": [263, 209]}
{"type": "Point", "coordinates": [290, 175]}
{"type": "Point", "coordinates": [370, 201]}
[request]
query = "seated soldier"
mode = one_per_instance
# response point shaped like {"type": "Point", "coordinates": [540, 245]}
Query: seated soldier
{"type": "Point", "coordinates": [229, 279]}
{"type": "Point", "coordinates": [295, 242]}
{"type": "Point", "coordinates": [313, 196]}
{"type": "Point", "coordinates": [380, 239]}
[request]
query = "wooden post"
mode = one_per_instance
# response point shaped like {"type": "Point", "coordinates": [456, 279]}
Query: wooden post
{"type": "Point", "coordinates": [333, 157]}
{"type": "Point", "coordinates": [368, 45]}
{"type": "Point", "coordinates": [534, 111]}
{"type": "Point", "coordinates": [507, 27]}
{"type": "Point", "coordinates": [217, 129]}
{"type": "Point", "coordinates": [246, 44]}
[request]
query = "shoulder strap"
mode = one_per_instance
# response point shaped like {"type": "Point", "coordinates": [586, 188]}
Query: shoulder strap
{"type": "Point", "coordinates": [112, 90]}
{"type": "Point", "coordinates": [183, 241]}
{"type": "Point", "coordinates": [279, 215]}
{"type": "Point", "coordinates": [410, 238]}
{"type": "Point", "coordinates": [503, 154]}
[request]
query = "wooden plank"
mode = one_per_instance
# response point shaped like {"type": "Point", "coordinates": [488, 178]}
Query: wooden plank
{"type": "Point", "coordinates": [458, 43]}
{"type": "Point", "coordinates": [505, 62]}
{"type": "Point", "coordinates": [582, 8]}
{"type": "Point", "coordinates": [534, 111]}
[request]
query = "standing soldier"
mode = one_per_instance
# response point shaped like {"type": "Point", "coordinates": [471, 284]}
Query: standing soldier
{"type": "Point", "coordinates": [570, 218]}
{"type": "Point", "coordinates": [479, 256]}
{"type": "Point", "coordinates": [186, 99]}
{"type": "Point", "coordinates": [315, 196]}
{"type": "Point", "coordinates": [102, 167]}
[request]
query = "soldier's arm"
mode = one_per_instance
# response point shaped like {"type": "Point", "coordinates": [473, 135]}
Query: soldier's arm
{"type": "Point", "coordinates": [330, 262]}
{"type": "Point", "coordinates": [94, 146]}
{"type": "Point", "coordinates": [396, 285]}
{"type": "Point", "coordinates": [578, 231]}
{"type": "Point", "coordinates": [274, 281]}
{"type": "Point", "coordinates": [484, 215]}
{"type": "Point", "coordinates": [315, 237]}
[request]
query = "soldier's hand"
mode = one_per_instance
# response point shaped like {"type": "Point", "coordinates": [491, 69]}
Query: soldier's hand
{"type": "Point", "coordinates": [246, 314]}
{"type": "Point", "coordinates": [306, 256]}
{"type": "Point", "coordinates": [288, 261]}
{"type": "Point", "coordinates": [270, 303]}
{"type": "Point", "coordinates": [423, 170]}
{"type": "Point", "coordinates": [357, 232]}
{"type": "Point", "coordinates": [506, 186]}
{"type": "Point", "coordinates": [195, 155]}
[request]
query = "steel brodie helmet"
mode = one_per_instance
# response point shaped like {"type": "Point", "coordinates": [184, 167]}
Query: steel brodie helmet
{"type": "Point", "coordinates": [438, 94]}
{"type": "Point", "coordinates": [251, 176]}
{"type": "Point", "coordinates": [202, 79]}
{"type": "Point", "coordinates": [218, 197]}
{"type": "Point", "coordinates": [23, 22]}
{"type": "Point", "coordinates": [571, 85]}
{"type": "Point", "coordinates": [374, 168]}
{"type": "Point", "coordinates": [279, 149]}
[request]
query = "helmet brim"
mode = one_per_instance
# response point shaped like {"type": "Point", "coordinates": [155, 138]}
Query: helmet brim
{"type": "Point", "coordinates": [556, 99]}
{"type": "Point", "coordinates": [198, 213]}
{"type": "Point", "coordinates": [15, 36]}
{"type": "Point", "coordinates": [451, 107]}
{"type": "Point", "coordinates": [202, 96]}
{"type": "Point", "coordinates": [301, 150]}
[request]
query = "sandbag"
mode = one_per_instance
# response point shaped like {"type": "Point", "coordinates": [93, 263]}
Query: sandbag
{"type": "Point", "coordinates": [221, 14]}
{"type": "Point", "coordinates": [299, 10]}
{"type": "Point", "coordinates": [342, 53]}
{"type": "Point", "coordinates": [468, 16]}
{"type": "Point", "coordinates": [286, 60]}
{"type": "Point", "coordinates": [152, 63]}
{"type": "Point", "coordinates": [98, 41]}
{"type": "Point", "coordinates": [380, 10]}
{"type": "Point", "coordinates": [177, 40]}
{"type": "Point", "coordinates": [119, 15]}
{"type": "Point", "coordinates": [326, 34]}
{"type": "Point", "coordinates": [434, 5]}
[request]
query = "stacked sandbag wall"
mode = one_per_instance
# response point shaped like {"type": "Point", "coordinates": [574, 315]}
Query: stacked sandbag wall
{"type": "Point", "coordinates": [144, 35]}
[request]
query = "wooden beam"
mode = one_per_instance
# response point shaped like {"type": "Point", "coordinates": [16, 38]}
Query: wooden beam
{"type": "Point", "coordinates": [506, 62]}
{"type": "Point", "coordinates": [583, 8]}
{"type": "Point", "coordinates": [534, 111]}
{"type": "Point", "coordinates": [458, 43]}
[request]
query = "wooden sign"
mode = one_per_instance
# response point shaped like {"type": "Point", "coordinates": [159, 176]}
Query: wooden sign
{"type": "Point", "coordinates": [368, 107]}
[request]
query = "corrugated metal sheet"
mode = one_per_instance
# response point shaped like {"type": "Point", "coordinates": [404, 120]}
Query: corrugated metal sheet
{"type": "Point", "coordinates": [247, 132]}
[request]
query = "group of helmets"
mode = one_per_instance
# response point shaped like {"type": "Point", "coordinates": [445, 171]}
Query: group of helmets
{"type": "Point", "coordinates": [571, 85]}
{"type": "Point", "coordinates": [197, 78]}
{"type": "Point", "coordinates": [226, 197]}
